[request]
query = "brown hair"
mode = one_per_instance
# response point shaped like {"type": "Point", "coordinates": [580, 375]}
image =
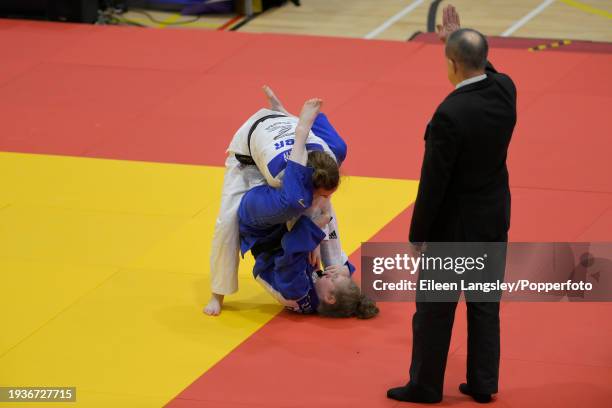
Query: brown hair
{"type": "Point", "coordinates": [349, 302]}
{"type": "Point", "coordinates": [326, 172]}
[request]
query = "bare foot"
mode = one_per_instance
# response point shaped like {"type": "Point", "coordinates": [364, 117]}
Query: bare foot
{"type": "Point", "coordinates": [275, 103]}
{"type": "Point", "coordinates": [213, 308]}
{"type": "Point", "coordinates": [309, 113]}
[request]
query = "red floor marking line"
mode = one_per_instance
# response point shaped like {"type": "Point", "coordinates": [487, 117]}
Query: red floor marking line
{"type": "Point", "coordinates": [230, 23]}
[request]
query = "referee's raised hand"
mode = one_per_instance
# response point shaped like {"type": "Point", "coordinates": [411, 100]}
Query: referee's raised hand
{"type": "Point", "coordinates": [450, 22]}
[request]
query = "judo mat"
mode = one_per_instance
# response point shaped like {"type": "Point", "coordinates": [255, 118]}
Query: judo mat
{"type": "Point", "coordinates": [111, 158]}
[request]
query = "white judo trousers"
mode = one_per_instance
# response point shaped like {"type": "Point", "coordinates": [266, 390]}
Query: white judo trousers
{"type": "Point", "coordinates": [239, 178]}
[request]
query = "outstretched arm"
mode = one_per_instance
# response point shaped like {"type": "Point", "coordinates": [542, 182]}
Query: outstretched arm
{"type": "Point", "coordinates": [310, 110]}
{"type": "Point", "coordinates": [309, 113]}
{"type": "Point", "coordinates": [450, 22]}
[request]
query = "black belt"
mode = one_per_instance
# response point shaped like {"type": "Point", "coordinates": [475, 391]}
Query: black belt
{"type": "Point", "coordinates": [248, 160]}
{"type": "Point", "coordinates": [271, 244]}
{"type": "Point", "coordinates": [267, 249]}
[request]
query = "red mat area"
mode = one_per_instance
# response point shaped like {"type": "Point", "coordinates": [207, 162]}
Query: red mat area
{"type": "Point", "coordinates": [178, 95]}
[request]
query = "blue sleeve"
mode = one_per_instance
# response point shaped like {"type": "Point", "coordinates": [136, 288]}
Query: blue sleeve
{"type": "Point", "coordinates": [264, 206]}
{"type": "Point", "coordinates": [291, 268]}
{"type": "Point", "coordinates": [323, 129]}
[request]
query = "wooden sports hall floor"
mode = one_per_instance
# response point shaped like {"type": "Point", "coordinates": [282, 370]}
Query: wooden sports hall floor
{"type": "Point", "coordinates": [571, 19]}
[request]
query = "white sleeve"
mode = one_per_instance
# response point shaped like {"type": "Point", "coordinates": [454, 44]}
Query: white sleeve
{"type": "Point", "coordinates": [331, 248]}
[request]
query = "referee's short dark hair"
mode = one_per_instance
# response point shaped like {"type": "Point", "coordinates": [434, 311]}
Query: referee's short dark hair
{"type": "Point", "coordinates": [468, 47]}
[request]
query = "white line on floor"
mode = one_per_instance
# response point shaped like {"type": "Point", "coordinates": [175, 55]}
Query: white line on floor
{"type": "Point", "coordinates": [393, 19]}
{"type": "Point", "coordinates": [528, 17]}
